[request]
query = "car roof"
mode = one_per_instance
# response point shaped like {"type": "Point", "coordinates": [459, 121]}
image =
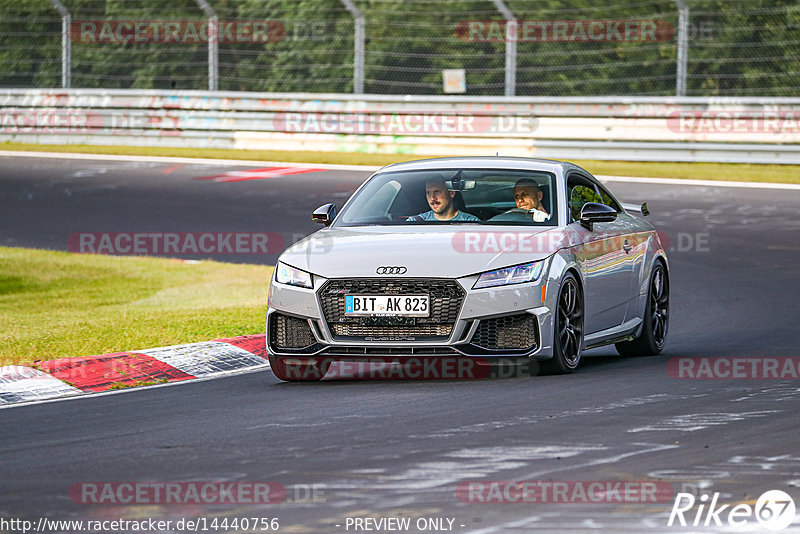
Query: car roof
{"type": "Point", "coordinates": [484, 162]}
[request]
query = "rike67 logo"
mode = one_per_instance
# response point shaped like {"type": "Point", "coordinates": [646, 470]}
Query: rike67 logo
{"type": "Point", "coordinates": [774, 510]}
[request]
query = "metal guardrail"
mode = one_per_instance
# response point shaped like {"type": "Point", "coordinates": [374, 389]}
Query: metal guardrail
{"type": "Point", "coordinates": [749, 130]}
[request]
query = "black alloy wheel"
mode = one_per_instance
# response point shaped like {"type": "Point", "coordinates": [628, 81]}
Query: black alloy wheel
{"type": "Point", "coordinates": [655, 324]}
{"type": "Point", "coordinates": [568, 339]}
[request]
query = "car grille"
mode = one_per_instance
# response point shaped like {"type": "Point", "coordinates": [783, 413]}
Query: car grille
{"type": "Point", "coordinates": [510, 332]}
{"type": "Point", "coordinates": [446, 299]}
{"type": "Point", "coordinates": [290, 332]}
{"type": "Point", "coordinates": [392, 331]}
{"type": "Point", "coordinates": [390, 351]}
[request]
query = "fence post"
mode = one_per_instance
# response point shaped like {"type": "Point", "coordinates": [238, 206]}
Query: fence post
{"type": "Point", "coordinates": [213, 44]}
{"type": "Point", "coordinates": [66, 44]}
{"type": "Point", "coordinates": [511, 46]}
{"type": "Point", "coordinates": [358, 52]}
{"type": "Point", "coordinates": [683, 46]}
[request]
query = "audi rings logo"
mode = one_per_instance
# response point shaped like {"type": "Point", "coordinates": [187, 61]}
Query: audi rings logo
{"type": "Point", "coordinates": [391, 270]}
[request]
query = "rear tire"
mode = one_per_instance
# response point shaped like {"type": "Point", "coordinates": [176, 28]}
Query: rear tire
{"type": "Point", "coordinates": [567, 329]}
{"type": "Point", "coordinates": [656, 318]}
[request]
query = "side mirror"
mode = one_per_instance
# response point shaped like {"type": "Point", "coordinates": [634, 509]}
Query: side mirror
{"type": "Point", "coordinates": [592, 212]}
{"type": "Point", "coordinates": [324, 214]}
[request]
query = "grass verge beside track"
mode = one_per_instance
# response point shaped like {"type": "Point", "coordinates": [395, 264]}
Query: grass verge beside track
{"type": "Point", "coordinates": [743, 172]}
{"type": "Point", "coordinates": [60, 304]}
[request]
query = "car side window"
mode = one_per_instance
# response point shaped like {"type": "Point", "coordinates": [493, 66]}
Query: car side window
{"type": "Point", "coordinates": [579, 196]}
{"type": "Point", "coordinates": [581, 190]}
{"type": "Point", "coordinates": [608, 200]}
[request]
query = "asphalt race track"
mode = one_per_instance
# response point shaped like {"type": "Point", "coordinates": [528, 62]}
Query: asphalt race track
{"type": "Point", "coordinates": [348, 450]}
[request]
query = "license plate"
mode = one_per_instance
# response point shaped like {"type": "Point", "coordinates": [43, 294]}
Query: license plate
{"type": "Point", "coordinates": [390, 305]}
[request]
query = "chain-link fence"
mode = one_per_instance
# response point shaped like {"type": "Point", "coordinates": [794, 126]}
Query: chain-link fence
{"type": "Point", "coordinates": [549, 47]}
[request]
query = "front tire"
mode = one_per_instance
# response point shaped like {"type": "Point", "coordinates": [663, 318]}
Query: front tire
{"type": "Point", "coordinates": [656, 318]}
{"type": "Point", "coordinates": [568, 329]}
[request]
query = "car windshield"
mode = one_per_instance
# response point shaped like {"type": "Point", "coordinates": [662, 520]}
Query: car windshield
{"type": "Point", "coordinates": [454, 196]}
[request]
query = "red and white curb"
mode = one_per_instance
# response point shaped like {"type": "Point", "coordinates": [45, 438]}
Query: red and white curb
{"type": "Point", "coordinates": [103, 372]}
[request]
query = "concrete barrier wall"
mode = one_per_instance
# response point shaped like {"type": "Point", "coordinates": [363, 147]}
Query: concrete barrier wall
{"type": "Point", "coordinates": [753, 130]}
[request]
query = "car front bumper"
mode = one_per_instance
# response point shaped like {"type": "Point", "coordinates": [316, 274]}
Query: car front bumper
{"type": "Point", "coordinates": [505, 321]}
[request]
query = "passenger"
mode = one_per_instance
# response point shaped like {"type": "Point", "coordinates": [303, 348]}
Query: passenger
{"type": "Point", "coordinates": [443, 207]}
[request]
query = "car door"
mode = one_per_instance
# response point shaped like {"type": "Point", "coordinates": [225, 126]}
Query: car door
{"type": "Point", "coordinates": [634, 242]}
{"type": "Point", "coordinates": [602, 255]}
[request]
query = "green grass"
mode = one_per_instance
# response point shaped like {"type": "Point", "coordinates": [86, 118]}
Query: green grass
{"type": "Point", "coordinates": [703, 171]}
{"type": "Point", "coordinates": [136, 384]}
{"type": "Point", "coordinates": [59, 304]}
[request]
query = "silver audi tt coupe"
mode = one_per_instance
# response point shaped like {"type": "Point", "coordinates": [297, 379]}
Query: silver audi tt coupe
{"type": "Point", "coordinates": [486, 259]}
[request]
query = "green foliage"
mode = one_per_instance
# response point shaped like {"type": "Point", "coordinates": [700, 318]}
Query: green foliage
{"type": "Point", "coordinates": [30, 44]}
{"type": "Point", "coordinates": [736, 47]}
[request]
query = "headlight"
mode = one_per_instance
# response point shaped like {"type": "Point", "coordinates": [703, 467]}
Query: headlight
{"type": "Point", "coordinates": [517, 274]}
{"type": "Point", "coordinates": [293, 277]}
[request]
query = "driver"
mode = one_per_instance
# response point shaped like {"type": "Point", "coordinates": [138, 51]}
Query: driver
{"type": "Point", "coordinates": [528, 198]}
{"type": "Point", "coordinates": [443, 208]}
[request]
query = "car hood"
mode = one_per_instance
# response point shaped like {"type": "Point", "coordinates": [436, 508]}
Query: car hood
{"type": "Point", "coordinates": [426, 251]}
